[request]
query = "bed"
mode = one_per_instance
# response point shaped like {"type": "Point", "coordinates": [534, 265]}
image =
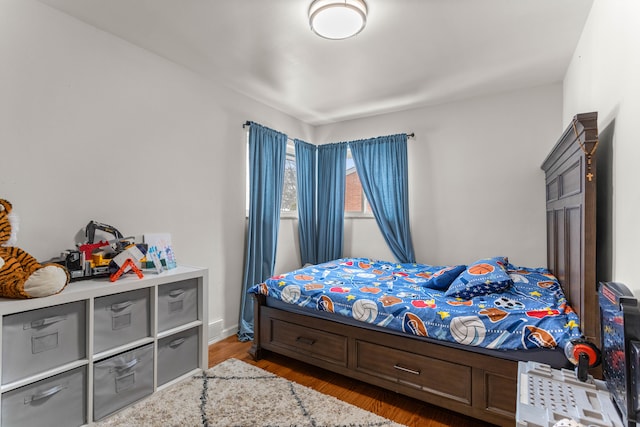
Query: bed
{"type": "Point", "coordinates": [455, 359]}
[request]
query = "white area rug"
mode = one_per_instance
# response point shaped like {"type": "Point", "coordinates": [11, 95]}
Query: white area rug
{"type": "Point", "coordinates": [235, 393]}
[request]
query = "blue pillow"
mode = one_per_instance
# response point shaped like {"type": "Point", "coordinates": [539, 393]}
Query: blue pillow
{"type": "Point", "coordinates": [483, 277]}
{"type": "Point", "coordinates": [441, 279]}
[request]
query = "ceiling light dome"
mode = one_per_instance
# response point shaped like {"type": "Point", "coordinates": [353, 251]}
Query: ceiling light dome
{"type": "Point", "coordinates": [337, 19]}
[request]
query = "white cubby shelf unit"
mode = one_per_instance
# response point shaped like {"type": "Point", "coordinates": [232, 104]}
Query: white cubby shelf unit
{"type": "Point", "coordinates": [59, 351]}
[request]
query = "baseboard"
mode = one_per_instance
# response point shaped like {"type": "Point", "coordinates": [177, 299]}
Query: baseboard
{"type": "Point", "coordinates": [218, 333]}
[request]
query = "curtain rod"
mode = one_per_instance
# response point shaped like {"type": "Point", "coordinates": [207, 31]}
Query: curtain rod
{"type": "Point", "coordinates": [248, 123]}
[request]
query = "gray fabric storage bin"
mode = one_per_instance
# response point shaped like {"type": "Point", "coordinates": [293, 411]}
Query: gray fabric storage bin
{"type": "Point", "coordinates": [37, 340]}
{"type": "Point", "coordinates": [55, 401]}
{"type": "Point", "coordinates": [120, 319]}
{"type": "Point", "coordinates": [177, 304]}
{"type": "Point", "coordinates": [177, 355]}
{"type": "Point", "coordinates": [121, 380]}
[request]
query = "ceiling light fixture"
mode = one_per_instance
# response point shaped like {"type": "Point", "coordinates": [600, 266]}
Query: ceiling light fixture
{"type": "Point", "coordinates": [337, 19]}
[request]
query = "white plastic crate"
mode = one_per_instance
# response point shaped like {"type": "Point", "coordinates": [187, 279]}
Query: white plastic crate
{"type": "Point", "coordinates": [547, 396]}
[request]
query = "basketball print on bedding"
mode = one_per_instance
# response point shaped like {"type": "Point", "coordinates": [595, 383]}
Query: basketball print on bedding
{"type": "Point", "coordinates": [480, 269]}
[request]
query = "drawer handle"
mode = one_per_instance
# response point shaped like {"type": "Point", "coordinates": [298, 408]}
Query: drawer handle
{"type": "Point", "coordinates": [44, 394]}
{"type": "Point", "coordinates": [127, 365]}
{"type": "Point", "coordinates": [409, 370]}
{"type": "Point", "coordinates": [177, 343]}
{"type": "Point", "coordinates": [308, 341]}
{"type": "Point", "coordinates": [176, 293]}
{"type": "Point", "coordinates": [121, 306]}
{"type": "Point", "coordinates": [44, 322]}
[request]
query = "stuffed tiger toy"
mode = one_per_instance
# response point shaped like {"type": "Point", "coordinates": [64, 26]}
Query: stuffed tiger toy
{"type": "Point", "coordinates": [21, 276]}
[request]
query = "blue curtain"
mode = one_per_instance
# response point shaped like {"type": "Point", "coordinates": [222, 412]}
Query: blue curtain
{"type": "Point", "coordinates": [332, 160]}
{"type": "Point", "coordinates": [267, 154]}
{"type": "Point", "coordinates": [381, 164]}
{"type": "Point", "coordinates": [306, 188]}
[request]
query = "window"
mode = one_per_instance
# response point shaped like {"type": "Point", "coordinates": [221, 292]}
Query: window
{"type": "Point", "coordinates": [355, 202]}
{"type": "Point", "coordinates": [289, 205]}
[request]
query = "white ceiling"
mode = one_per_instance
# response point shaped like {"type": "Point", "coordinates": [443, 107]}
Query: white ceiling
{"type": "Point", "coordinates": [412, 52]}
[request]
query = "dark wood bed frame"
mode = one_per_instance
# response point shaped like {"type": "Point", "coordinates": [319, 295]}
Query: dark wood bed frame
{"type": "Point", "coordinates": [474, 384]}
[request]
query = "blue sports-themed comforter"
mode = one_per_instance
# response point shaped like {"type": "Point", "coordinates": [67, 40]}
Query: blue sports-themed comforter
{"type": "Point", "coordinates": [530, 313]}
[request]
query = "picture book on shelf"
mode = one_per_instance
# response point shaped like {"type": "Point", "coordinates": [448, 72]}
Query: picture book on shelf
{"type": "Point", "coordinates": [160, 247]}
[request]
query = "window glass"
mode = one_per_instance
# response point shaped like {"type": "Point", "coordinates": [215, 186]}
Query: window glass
{"type": "Point", "coordinates": [355, 202]}
{"type": "Point", "coordinates": [289, 203]}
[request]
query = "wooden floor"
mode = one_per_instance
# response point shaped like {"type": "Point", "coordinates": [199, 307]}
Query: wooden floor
{"type": "Point", "coordinates": [401, 409]}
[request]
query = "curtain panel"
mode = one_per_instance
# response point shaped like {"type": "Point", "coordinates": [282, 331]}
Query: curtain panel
{"type": "Point", "coordinates": [332, 160]}
{"type": "Point", "coordinates": [306, 191]}
{"type": "Point", "coordinates": [381, 164]}
{"type": "Point", "coordinates": [267, 155]}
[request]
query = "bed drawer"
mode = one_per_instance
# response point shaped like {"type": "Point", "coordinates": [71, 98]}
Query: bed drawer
{"type": "Point", "coordinates": [440, 377]}
{"type": "Point", "coordinates": [310, 342]}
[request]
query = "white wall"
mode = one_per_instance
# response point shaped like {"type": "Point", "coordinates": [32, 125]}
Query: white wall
{"type": "Point", "coordinates": [603, 77]}
{"type": "Point", "coordinates": [94, 128]}
{"type": "Point", "coordinates": [475, 183]}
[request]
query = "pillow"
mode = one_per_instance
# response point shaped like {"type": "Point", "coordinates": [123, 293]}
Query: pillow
{"type": "Point", "coordinates": [441, 279]}
{"type": "Point", "coordinates": [483, 277]}
{"type": "Point", "coordinates": [520, 269]}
